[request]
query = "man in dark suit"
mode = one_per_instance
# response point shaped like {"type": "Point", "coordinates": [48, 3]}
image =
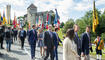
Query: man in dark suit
{"type": "Point", "coordinates": [86, 42]}
{"type": "Point", "coordinates": [32, 38]}
{"type": "Point", "coordinates": [49, 43]}
{"type": "Point", "coordinates": [22, 36]}
{"type": "Point", "coordinates": [2, 33]}
{"type": "Point", "coordinates": [77, 40]}
{"type": "Point", "coordinates": [15, 34]}
{"type": "Point", "coordinates": [56, 43]}
{"type": "Point", "coordinates": [1, 37]}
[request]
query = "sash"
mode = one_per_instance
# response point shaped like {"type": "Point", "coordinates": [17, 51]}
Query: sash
{"type": "Point", "coordinates": [98, 43]}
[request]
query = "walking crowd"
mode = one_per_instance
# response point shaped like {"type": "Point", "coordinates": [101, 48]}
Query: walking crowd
{"type": "Point", "coordinates": [48, 41]}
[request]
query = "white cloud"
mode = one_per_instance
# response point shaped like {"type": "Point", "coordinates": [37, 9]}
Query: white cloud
{"type": "Point", "coordinates": [62, 6]}
{"type": "Point", "coordinates": [14, 2]}
{"type": "Point", "coordinates": [65, 8]}
{"type": "Point", "coordinates": [102, 10]}
{"type": "Point", "coordinates": [17, 13]}
{"type": "Point", "coordinates": [84, 5]}
{"type": "Point", "coordinates": [100, 2]}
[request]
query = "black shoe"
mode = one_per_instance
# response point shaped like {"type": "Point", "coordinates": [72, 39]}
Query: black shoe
{"type": "Point", "coordinates": [22, 48]}
{"type": "Point", "coordinates": [2, 47]}
{"type": "Point", "coordinates": [1, 54]}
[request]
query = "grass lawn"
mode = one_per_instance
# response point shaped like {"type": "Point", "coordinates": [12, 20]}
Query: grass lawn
{"type": "Point", "coordinates": [93, 54]}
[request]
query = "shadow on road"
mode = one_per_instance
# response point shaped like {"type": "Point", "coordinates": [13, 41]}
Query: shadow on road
{"type": "Point", "coordinates": [7, 57]}
{"type": "Point", "coordinates": [18, 52]}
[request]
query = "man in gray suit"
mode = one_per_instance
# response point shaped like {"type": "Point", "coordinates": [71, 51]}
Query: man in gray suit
{"type": "Point", "coordinates": [77, 40]}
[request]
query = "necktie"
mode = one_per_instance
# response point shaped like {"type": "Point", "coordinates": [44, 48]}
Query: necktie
{"type": "Point", "coordinates": [33, 32]}
{"type": "Point", "coordinates": [57, 38]}
{"type": "Point", "coordinates": [50, 33]}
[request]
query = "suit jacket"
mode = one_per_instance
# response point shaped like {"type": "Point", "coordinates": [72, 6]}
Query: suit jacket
{"type": "Point", "coordinates": [24, 34]}
{"type": "Point", "coordinates": [32, 37]}
{"type": "Point", "coordinates": [48, 40]}
{"type": "Point", "coordinates": [77, 42]}
{"type": "Point", "coordinates": [15, 32]}
{"type": "Point", "coordinates": [85, 43]}
{"type": "Point", "coordinates": [56, 39]}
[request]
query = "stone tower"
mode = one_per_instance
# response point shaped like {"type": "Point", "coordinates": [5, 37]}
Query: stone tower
{"type": "Point", "coordinates": [8, 12]}
{"type": "Point", "coordinates": [31, 13]}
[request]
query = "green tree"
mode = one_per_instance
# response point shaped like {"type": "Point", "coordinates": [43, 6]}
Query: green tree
{"type": "Point", "coordinates": [68, 24]}
{"type": "Point", "coordinates": [87, 19]}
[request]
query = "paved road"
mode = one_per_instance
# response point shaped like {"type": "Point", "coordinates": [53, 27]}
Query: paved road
{"type": "Point", "coordinates": [18, 54]}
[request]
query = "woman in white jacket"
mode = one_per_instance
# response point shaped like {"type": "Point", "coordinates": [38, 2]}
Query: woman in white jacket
{"type": "Point", "coordinates": [69, 46]}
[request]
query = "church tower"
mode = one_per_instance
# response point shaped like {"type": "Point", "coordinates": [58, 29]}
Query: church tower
{"type": "Point", "coordinates": [31, 13]}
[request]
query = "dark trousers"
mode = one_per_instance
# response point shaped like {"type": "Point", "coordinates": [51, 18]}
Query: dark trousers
{"type": "Point", "coordinates": [33, 50]}
{"type": "Point", "coordinates": [51, 52]}
{"type": "Point", "coordinates": [15, 38]}
{"type": "Point", "coordinates": [2, 42]}
{"type": "Point", "coordinates": [79, 51]}
{"type": "Point", "coordinates": [22, 42]}
{"type": "Point", "coordinates": [98, 51]}
{"type": "Point", "coordinates": [56, 53]}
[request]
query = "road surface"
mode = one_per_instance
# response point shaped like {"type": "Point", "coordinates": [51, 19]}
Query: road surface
{"type": "Point", "coordinates": [18, 54]}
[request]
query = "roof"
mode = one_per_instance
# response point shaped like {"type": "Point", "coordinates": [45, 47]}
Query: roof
{"type": "Point", "coordinates": [32, 6]}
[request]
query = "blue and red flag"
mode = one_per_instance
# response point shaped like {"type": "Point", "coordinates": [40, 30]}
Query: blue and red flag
{"type": "Point", "coordinates": [56, 20]}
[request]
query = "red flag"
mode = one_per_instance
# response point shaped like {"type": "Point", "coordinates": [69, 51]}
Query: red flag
{"type": "Point", "coordinates": [46, 26]}
{"type": "Point", "coordinates": [14, 21]}
{"type": "Point", "coordinates": [42, 25]}
{"type": "Point", "coordinates": [47, 16]}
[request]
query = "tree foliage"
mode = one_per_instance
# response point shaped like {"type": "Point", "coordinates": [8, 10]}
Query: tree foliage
{"type": "Point", "coordinates": [87, 19]}
{"type": "Point", "coordinates": [68, 24]}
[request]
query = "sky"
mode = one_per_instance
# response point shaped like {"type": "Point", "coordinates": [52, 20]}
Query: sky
{"type": "Point", "coordinates": [66, 8]}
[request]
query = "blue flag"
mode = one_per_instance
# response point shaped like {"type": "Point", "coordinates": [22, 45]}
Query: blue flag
{"type": "Point", "coordinates": [1, 18]}
{"type": "Point", "coordinates": [56, 17]}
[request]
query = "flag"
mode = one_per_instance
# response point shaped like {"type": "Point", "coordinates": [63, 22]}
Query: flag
{"type": "Point", "coordinates": [4, 19]}
{"type": "Point", "coordinates": [29, 25]}
{"type": "Point", "coordinates": [56, 17]}
{"type": "Point", "coordinates": [47, 16]}
{"type": "Point", "coordinates": [56, 20]}
{"type": "Point", "coordinates": [49, 19]}
{"type": "Point", "coordinates": [9, 21]}
{"type": "Point", "coordinates": [42, 25]}
{"type": "Point", "coordinates": [14, 21]}
{"type": "Point", "coordinates": [0, 19]}
{"type": "Point", "coordinates": [37, 20]}
{"type": "Point", "coordinates": [39, 24]}
{"type": "Point", "coordinates": [95, 17]}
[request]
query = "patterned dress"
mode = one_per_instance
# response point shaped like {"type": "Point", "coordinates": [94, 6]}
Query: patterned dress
{"type": "Point", "coordinates": [41, 41]}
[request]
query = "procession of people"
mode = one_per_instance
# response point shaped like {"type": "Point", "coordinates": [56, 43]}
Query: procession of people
{"type": "Point", "coordinates": [48, 41]}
